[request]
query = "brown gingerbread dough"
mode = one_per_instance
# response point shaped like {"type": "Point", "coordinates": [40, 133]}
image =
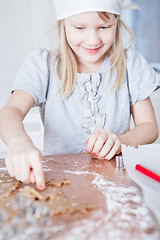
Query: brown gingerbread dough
{"type": "Point", "coordinates": [93, 156]}
{"type": "Point", "coordinates": [61, 205]}
{"type": "Point", "coordinates": [52, 196]}
{"type": "Point", "coordinates": [8, 185]}
{"type": "Point", "coordinates": [57, 183]}
{"type": "Point", "coordinates": [49, 193]}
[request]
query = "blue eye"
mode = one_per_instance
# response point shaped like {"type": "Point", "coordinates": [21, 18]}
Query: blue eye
{"type": "Point", "coordinates": [79, 28]}
{"type": "Point", "coordinates": [103, 28]}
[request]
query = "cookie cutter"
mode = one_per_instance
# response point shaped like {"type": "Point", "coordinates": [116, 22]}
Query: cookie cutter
{"type": "Point", "coordinates": [119, 162]}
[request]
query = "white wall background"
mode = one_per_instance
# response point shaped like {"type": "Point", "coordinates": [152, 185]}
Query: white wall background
{"type": "Point", "coordinates": [25, 25]}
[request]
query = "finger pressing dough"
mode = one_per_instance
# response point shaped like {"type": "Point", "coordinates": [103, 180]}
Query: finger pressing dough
{"type": "Point", "coordinates": [93, 156]}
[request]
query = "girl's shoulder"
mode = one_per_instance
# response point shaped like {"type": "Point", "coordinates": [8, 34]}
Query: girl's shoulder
{"type": "Point", "coordinates": [42, 51]}
{"type": "Point", "coordinates": [41, 55]}
{"type": "Point", "coordinates": [141, 78]}
{"type": "Point", "coordinates": [135, 61]}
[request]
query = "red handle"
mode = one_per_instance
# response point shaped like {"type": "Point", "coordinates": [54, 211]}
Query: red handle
{"type": "Point", "coordinates": [147, 172]}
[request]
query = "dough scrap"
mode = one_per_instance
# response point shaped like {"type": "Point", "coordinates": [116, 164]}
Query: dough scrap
{"type": "Point", "coordinates": [32, 193]}
{"type": "Point", "coordinates": [45, 195]}
{"type": "Point", "coordinates": [93, 156]}
{"type": "Point", "coordinates": [8, 185]}
{"type": "Point", "coordinates": [6, 212]}
{"type": "Point", "coordinates": [61, 205]}
{"type": "Point", "coordinates": [57, 183]}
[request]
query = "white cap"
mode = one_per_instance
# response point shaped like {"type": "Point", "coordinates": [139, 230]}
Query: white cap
{"type": "Point", "coordinates": [67, 8]}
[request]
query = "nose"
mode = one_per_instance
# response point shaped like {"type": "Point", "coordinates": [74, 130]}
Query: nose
{"type": "Point", "coordinates": [93, 38]}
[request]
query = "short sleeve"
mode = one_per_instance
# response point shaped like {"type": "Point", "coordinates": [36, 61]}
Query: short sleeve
{"type": "Point", "coordinates": [142, 79]}
{"type": "Point", "coordinates": [33, 75]}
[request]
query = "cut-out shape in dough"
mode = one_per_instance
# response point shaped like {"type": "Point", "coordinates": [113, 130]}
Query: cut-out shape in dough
{"type": "Point", "coordinates": [8, 185]}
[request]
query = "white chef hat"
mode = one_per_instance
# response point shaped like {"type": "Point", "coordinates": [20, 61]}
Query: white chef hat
{"type": "Point", "coordinates": [67, 8]}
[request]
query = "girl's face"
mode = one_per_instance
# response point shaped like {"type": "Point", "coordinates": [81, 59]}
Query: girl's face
{"type": "Point", "coordinates": [90, 38]}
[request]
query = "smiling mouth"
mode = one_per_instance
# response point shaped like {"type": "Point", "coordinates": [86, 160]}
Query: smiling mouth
{"type": "Point", "coordinates": [91, 50]}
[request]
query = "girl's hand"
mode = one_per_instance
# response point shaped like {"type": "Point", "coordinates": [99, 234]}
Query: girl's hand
{"type": "Point", "coordinates": [24, 162]}
{"type": "Point", "coordinates": [103, 144]}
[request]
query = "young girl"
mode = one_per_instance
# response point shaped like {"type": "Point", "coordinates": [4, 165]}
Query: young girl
{"type": "Point", "coordinates": [86, 93]}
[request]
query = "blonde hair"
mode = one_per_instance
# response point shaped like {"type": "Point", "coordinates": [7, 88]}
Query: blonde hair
{"type": "Point", "coordinates": [67, 63]}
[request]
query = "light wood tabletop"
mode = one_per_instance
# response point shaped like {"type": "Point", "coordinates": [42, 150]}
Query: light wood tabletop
{"type": "Point", "coordinates": [120, 212]}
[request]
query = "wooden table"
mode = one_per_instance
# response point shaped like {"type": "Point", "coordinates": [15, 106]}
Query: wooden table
{"type": "Point", "coordinates": [120, 211]}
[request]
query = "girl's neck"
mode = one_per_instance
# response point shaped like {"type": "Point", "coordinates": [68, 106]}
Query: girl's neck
{"type": "Point", "coordinates": [89, 67]}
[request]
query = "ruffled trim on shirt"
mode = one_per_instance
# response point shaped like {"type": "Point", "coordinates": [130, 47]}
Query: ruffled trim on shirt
{"type": "Point", "coordinates": [89, 85]}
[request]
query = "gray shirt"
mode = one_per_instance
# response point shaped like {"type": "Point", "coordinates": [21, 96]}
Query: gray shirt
{"type": "Point", "coordinates": [67, 123]}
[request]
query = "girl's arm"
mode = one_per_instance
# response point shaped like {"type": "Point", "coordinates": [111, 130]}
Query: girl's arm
{"type": "Point", "coordinates": [24, 160]}
{"type": "Point", "coordinates": [146, 128]}
{"type": "Point", "coordinates": [105, 145]}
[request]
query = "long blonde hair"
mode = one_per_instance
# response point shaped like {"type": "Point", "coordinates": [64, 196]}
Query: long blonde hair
{"type": "Point", "coordinates": [67, 63]}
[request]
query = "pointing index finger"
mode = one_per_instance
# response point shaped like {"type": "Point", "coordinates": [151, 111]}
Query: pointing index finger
{"type": "Point", "coordinates": [39, 174]}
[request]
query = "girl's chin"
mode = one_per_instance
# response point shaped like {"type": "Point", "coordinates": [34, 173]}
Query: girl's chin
{"type": "Point", "coordinates": [92, 59]}
{"type": "Point", "coordinates": [88, 65]}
